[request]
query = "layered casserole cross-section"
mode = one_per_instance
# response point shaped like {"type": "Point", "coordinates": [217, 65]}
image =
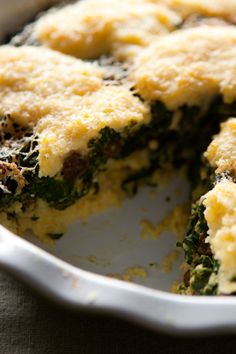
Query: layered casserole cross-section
{"type": "Point", "coordinates": [98, 95]}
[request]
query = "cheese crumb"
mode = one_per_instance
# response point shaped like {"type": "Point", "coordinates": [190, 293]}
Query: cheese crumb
{"type": "Point", "coordinates": [169, 260]}
{"type": "Point", "coordinates": [130, 274]}
{"type": "Point", "coordinates": [175, 222]}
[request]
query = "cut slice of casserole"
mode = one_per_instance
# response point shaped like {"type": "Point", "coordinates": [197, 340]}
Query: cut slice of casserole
{"type": "Point", "coordinates": [72, 142]}
{"type": "Point", "coordinates": [193, 67]}
{"type": "Point", "coordinates": [61, 127]}
{"type": "Point", "coordinates": [210, 243]}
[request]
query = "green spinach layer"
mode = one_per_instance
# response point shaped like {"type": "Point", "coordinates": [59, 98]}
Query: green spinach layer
{"type": "Point", "coordinates": [201, 277]}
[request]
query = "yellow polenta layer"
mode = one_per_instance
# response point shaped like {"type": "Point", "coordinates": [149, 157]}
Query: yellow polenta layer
{"type": "Point", "coordinates": [220, 8]}
{"type": "Point", "coordinates": [52, 220]}
{"type": "Point", "coordinates": [221, 153]}
{"type": "Point", "coordinates": [65, 101]}
{"type": "Point", "coordinates": [220, 205]}
{"type": "Point", "coordinates": [91, 28]}
{"type": "Point", "coordinates": [220, 214]}
{"type": "Point", "coordinates": [188, 66]}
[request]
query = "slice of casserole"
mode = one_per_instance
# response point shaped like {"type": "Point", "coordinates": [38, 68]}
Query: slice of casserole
{"type": "Point", "coordinates": [197, 67]}
{"type": "Point", "coordinates": [62, 130]}
{"type": "Point", "coordinates": [210, 242]}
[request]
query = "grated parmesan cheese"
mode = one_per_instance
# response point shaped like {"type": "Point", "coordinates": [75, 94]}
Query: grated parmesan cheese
{"type": "Point", "coordinates": [64, 99]}
{"type": "Point", "coordinates": [118, 27]}
{"type": "Point", "coordinates": [188, 66]}
{"type": "Point", "coordinates": [221, 8]}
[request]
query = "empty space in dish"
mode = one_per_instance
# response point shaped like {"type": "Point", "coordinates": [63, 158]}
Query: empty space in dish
{"type": "Point", "coordinates": [116, 243]}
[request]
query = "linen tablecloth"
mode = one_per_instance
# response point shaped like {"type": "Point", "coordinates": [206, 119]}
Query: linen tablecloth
{"type": "Point", "coordinates": [31, 325]}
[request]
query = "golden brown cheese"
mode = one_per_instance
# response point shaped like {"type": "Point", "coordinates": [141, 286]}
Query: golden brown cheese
{"type": "Point", "coordinates": [64, 99]}
{"type": "Point", "coordinates": [188, 67]}
{"type": "Point", "coordinates": [220, 214]}
{"type": "Point", "coordinates": [91, 28]}
{"type": "Point", "coordinates": [34, 81]}
{"type": "Point", "coordinates": [220, 8]}
{"type": "Point", "coordinates": [112, 106]}
{"type": "Point", "coordinates": [221, 153]}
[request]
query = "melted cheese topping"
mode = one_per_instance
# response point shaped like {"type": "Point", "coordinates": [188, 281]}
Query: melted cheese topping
{"type": "Point", "coordinates": [220, 215]}
{"type": "Point", "coordinates": [112, 26]}
{"type": "Point", "coordinates": [188, 67]}
{"type": "Point", "coordinates": [221, 8]}
{"type": "Point", "coordinates": [64, 99]}
{"type": "Point", "coordinates": [221, 153]}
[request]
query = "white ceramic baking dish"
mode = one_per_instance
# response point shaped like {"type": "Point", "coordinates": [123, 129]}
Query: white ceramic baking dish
{"type": "Point", "coordinates": [74, 271]}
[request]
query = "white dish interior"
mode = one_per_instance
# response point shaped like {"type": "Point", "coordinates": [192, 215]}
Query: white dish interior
{"type": "Point", "coordinates": [112, 242]}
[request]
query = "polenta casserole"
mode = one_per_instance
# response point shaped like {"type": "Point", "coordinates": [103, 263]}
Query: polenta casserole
{"type": "Point", "coordinates": [98, 95]}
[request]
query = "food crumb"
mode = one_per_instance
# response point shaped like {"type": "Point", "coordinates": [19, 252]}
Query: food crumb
{"type": "Point", "coordinates": [149, 231]}
{"type": "Point", "coordinates": [175, 221]}
{"type": "Point", "coordinates": [174, 288]}
{"type": "Point", "coordinates": [169, 260]}
{"type": "Point", "coordinates": [130, 274]}
{"type": "Point", "coordinates": [153, 265]}
{"type": "Point", "coordinates": [98, 261]}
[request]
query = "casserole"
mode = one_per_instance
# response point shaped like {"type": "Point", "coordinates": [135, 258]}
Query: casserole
{"type": "Point", "coordinates": [92, 261]}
